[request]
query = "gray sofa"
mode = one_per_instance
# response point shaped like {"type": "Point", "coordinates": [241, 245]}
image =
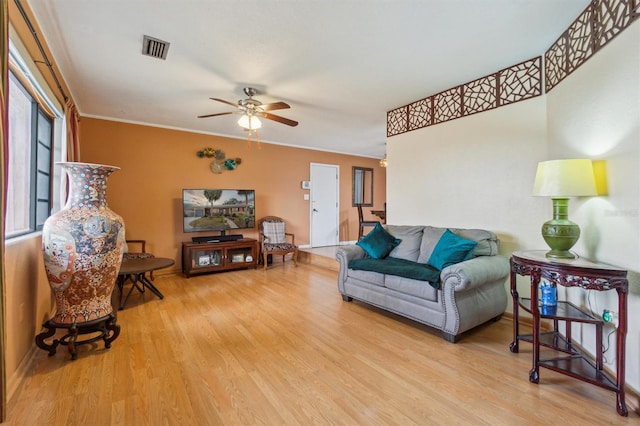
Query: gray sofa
{"type": "Point", "coordinates": [470, 292]}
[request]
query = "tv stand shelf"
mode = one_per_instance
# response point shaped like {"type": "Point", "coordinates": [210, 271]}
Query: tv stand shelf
{"type": "Point", "coordinates": [202, 258]}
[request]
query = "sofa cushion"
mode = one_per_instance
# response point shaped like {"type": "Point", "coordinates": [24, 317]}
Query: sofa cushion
{"type": "Point", "coordinates": [415, 288]}
{"type": "Point", "coordinates": [274, 232]}
{"type": "Point", "coordinates": [399, 267]}
{"type": "Point", "coordinates": [369, 277]}
{"type": "Point", "coordinates": [487, 241]}
{"type": "Point", "coordinates": [378, 243]}
{"type": "Point", "coordinates": [451, 249]}
{"type": "Point", "coordinates": [430, 237]}
{"type": "Point", "coordinates": [409, 247]}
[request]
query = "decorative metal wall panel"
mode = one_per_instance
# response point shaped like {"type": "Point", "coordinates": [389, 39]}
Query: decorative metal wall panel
{"type": "Point", "coordinates": [419, 114]}
{"type": "Point", "coordinates": [521, 81]}
{"type": "Point", "coordinates": [447, 105]}
{"type": "Point", "coordinates": [480, 94]}
{"type": "Point", "coordinates": [579, 44]}
{"type": "Point", "coordinates": [513, 84]}
{"type": "Point", "coordinates": [598, 24]}
{"type": "Point", "coordinates": [397, 121]}
{"type": "Point", "coordinates": [554, 69]}
{"type": "Point", "coordinates": [613, 16]}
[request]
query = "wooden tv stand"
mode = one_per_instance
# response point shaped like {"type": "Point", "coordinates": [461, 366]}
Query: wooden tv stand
{"type": "Point", "coordinates": [202, 258]}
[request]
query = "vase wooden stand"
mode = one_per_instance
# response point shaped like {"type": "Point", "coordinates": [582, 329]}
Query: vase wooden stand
{"type": "Point", "coordinates": [101, 329]}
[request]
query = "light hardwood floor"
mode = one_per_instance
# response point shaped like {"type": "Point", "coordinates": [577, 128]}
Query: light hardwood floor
{"type": "Point", "coordinates": [280, 347]}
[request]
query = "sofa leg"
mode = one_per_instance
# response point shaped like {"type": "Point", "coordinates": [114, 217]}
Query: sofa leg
{"type": "Point", "coordinates": [451, 338]}
{"type": "Point", "coordinates": [347, 298]}
{"type": "Point", "coordinates": [496, 319]}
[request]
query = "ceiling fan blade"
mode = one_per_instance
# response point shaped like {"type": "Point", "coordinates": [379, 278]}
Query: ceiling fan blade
{"type": "Point", "coordinates": [279, 119]}
{"type": "Point", "coordinates": [225, 102]}
{"type": "Point", "coordinates": [214, 115]}
{"type": "Point", "coordinates": [274, 106]}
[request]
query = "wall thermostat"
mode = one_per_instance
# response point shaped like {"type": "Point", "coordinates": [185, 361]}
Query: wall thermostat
{"type": "Point", "coordinates": [306, 184]}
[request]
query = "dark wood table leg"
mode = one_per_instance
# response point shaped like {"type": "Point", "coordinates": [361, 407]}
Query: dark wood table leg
{"type": "Point", "coordinates": [112, 330]}
{"type": "Point", "coordinates": [514, 347]}
{"type": "Point", "coordinates": [71, 342]}
{"type": "Point", "coordinates": [534, 374]}
{"type": "Point", "coordinates": [621, 406]}
{"type": "Point", "coordinates": [48, 332]}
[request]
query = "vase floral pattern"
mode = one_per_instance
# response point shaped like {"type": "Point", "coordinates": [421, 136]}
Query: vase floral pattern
{"type": "Point", "coordinates": [83, 245]}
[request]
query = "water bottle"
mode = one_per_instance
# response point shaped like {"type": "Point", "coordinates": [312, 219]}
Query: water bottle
{"type": "Point", "coordinates": [547, 294]}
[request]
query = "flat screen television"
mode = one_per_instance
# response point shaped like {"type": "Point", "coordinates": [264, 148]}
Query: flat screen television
{"type": "Point", "coordinates": [206, 210]}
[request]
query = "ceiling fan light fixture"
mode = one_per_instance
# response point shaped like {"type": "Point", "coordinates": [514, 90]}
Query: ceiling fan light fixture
{"type": "Point", "coordinates": [250, 122]}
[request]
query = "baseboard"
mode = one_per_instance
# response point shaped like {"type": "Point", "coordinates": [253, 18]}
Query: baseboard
{"type": "Point", "coordinates": [17, 378]}
{"type": "Point", "coordinates": [340, 243]}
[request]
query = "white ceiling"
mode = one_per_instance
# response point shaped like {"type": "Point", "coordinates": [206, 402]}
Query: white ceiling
{"type": "Point", "coordinates": [340, 64]}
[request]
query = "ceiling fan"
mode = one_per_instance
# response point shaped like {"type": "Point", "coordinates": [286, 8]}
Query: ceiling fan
{"type": "Point", "coordinates": [252, 109]}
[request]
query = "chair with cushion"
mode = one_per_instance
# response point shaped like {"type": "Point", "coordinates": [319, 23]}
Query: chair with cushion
{"type": "Point", "coordinates": [274, 239]}
{"type": "Point", "coordinates": [363, 223]}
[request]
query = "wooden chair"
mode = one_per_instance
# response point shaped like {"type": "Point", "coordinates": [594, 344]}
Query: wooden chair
{"type": "Point", "coordinates": [139, 251]}
{"type": "Point", "coordinates": [363, 223]}
{"type": "Point", "coordinates": [274, 240]}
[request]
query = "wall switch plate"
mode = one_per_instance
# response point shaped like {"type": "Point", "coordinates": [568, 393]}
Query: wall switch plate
{"type": "Point", "coordinates": [306, 197]}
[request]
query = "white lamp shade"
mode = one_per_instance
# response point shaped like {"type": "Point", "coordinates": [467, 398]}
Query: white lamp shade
{"type": "Point", "coordinates": [250, 122]}
{"type": "Point", "coordinates": [565, 178]}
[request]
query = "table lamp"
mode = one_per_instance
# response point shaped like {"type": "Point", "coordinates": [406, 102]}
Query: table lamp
{"type": "Point", "coordinates": [561, 179]}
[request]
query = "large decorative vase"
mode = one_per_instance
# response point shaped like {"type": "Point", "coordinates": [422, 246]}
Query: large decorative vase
{"type": "Point", "coordinates": [83, 246]}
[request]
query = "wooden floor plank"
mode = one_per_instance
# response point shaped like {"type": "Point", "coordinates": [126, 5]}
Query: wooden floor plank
{"type": "Point", "coordinates": [280, 347]}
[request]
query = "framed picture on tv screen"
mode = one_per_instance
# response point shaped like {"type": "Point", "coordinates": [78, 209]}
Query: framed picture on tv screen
{"type": "Point", "coordinates": [205, 210]}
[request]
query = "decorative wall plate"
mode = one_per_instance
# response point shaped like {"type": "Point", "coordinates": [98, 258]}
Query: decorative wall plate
{"type": "Point", "coordinates": [217, 166]}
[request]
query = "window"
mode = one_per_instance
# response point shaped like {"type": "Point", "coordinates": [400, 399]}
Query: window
{"type": "Point", "coordinates": [36, 134]}
{"type": "Point", "coordinates": [29, 189]}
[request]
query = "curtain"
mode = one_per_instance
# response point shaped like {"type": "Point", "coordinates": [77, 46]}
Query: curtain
{"type": "Point", "coordinates": [4, 86]}
{"type": "Point", "coordinates": [73, 133]}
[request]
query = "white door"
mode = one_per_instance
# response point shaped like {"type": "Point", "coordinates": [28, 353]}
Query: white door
{"type": "Point", "coordinates": [325, 185]}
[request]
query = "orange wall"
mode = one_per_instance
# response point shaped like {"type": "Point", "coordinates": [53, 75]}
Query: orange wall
{"type": "Point", "coordinates": [157, 163]}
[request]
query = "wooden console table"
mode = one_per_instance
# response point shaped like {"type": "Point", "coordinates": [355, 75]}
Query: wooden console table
{"type": "Point", "coordinates": [570, 273]}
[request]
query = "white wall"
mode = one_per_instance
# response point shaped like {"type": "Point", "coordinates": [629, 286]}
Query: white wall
{"type": "Point", "coordinates": [595, 113]}
{"type": "Point", "coordinates": [478, 172]}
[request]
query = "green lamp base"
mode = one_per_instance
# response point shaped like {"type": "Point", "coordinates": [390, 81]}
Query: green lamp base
{"type": "Point", "coordinates": [560, 233]}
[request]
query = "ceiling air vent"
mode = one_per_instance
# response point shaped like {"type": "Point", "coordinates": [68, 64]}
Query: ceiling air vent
{"type": "Point", "coordinates": [154, 47]}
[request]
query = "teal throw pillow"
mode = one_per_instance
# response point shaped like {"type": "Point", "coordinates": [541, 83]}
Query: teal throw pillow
{"type": "Point", "coordinates": [451, 249]}
{"type": "Point", "coordinates": [378, 243]}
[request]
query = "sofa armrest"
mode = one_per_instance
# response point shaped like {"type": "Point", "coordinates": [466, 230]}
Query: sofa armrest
{"type": "Point", "coordinates": [475, 272]}
{"type": "Point", "coordinates": [343, 255]}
